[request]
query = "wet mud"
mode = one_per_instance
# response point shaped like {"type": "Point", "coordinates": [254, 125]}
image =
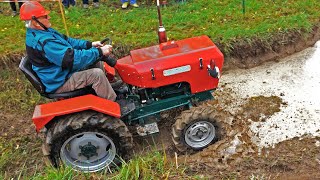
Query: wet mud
{"type": "Point", "coordinates": [273, 111]}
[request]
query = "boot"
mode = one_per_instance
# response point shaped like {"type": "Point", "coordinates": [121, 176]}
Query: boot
{"type": "Point", "coordinates": [125, 5]}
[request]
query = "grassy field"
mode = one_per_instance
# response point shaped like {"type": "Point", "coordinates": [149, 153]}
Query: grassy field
{"type": "Point", "coordinates": [223, 21]}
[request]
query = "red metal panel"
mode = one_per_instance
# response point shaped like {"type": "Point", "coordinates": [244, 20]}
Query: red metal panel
{"type": "Point", "coordinates": [110, 70]}
{"type": "Point", "coordinates": [174, 48]}
{"type": "Point", "coordinates": [46, 112]}
{"type": "Point", "coordinates": [136, 69]}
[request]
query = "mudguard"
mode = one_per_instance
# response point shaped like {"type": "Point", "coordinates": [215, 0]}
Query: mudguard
{"type": "Point", "coordinates": [44, 113]}
{"type": "Point", "coordinates": [110, 71]}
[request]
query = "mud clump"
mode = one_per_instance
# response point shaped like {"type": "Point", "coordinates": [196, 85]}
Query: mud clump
{"type": "Point", "coordinates": [259, 108]}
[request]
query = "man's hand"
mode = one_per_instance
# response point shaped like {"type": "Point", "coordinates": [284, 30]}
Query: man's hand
{"type": "Point", "coordinates": [108, 57]}
{"type": "Point", "coordinates": [97, 44]}
{"type": "Point", "coordinates": [110, 60]}
{"type": "Point", "coordinates": [106, 50]}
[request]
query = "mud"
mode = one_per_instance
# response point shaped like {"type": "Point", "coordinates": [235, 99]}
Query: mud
{"type": "Point", "coordinates": [275, 129]}
{"type": "Point", "coordinates": [254, 52]}
{"type": "Point", "coordinates": [291, 159]}
{"type": "Point", "coordinates": [296, 80]}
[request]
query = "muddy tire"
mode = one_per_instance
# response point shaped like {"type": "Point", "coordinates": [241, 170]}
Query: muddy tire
{"type": "Point", "coordinates": [197, 128]}
{"type": "Point", "coordinates": [88, 141]}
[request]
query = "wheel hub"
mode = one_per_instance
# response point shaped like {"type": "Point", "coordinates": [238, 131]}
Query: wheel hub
{"type": "Point", "coordinates": [200, 134]}
{"type": "Point", "coordinates": [88, 150]}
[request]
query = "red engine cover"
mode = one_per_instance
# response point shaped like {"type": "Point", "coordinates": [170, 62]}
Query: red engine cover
{"type": "Point", "coordinates": [172, 62]}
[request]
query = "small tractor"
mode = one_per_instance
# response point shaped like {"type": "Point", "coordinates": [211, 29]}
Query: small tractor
{"type": "Point", "coordinates": [90, 133]}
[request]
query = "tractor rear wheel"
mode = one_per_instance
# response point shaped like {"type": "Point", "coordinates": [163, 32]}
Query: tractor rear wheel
{"type": "Point", "coordinates": [88, 141]}
{"type": "Point", "coordinates": [197, 128]}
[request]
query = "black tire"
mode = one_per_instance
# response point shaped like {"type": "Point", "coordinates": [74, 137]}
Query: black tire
{"type": "Point", "coordinates": [87, 123]}
{"type": "Point", "coordinates": [197, 116]}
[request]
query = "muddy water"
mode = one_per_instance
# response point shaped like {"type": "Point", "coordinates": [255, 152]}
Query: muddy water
{"type": "Point", "coordinates": [296, 80]}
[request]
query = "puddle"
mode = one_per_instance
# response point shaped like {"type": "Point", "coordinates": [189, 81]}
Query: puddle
{"type": "Point", "coordinates": [296, 80]}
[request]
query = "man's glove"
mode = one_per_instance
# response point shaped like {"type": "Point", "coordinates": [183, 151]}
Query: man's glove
{"type": "Point", "coordinates": [107, 57]}
{"type": "Point", "coordinates": [110, 60]}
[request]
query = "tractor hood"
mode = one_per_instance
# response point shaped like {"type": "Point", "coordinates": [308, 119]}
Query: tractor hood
{"type": "Point", "coordinates": [171, 62]}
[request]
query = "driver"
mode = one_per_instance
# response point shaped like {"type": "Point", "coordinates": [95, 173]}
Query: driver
{"type": "Point", "coordinates": [62, 63]}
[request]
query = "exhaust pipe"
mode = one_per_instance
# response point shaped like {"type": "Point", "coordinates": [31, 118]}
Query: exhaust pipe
{"type": "Point", "coordinates": [161, 31]}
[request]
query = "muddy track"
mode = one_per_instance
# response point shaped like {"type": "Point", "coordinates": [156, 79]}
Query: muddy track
{"type": "Point", "coordinates": [274, 113]}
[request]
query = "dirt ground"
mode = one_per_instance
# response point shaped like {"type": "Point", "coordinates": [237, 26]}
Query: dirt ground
{"type": "Point", "coordinates": [273, 111]}
{"type": "Point", "coordinates": [237, 157]}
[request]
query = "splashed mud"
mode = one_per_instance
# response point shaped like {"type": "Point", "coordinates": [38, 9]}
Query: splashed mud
{"type": "Point", "coordinates": [296, 80]}
{"type": "Point", "coordinates": [274, 111]}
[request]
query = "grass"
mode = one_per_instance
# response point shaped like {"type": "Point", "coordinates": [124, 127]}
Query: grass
{"type": "Point", "coordinates": [222, 20]}
{"type": "Point", "coordinates": [153, 165]}
{"type": "Point", "coordinates": [17, 157]}
{"type": "Point", "coordinates": [17, 95]}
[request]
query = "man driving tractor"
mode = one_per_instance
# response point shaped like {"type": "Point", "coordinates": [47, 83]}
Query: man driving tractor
{"type": "Point", "coordinates": [62, 63]}
{"type": "Point", "coordinates": [90, 133]}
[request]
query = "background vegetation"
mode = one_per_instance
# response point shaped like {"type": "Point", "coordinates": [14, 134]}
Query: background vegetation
{"type": "Point", "coordinates": [223, 21]}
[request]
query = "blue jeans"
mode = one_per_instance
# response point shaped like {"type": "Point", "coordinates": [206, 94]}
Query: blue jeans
{"type": "Point", "coordinates": [67, 3]}
{"type": "Point", "coordinates": [87, 1]}
{"type": "Point", "coordinates": [131, 1]}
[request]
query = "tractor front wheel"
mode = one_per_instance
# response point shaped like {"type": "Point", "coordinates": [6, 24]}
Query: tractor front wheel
{"type": "Point", "coordinates": [197, 128]}
{"type": "Point", "coordinates": [88, 141]}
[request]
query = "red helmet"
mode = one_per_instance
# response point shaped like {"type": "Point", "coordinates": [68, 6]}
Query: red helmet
{"type": "Point", "coordinates": [32, 8]}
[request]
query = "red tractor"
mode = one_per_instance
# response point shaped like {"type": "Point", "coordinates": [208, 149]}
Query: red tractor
{"type": "Point", "coordinates": [90, 133]}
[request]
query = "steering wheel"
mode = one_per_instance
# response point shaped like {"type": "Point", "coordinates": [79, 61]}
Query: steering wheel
{"type": "Point", "coordinates": [110, 60]}
{"type": "Point", "coordinates": [105, 40]}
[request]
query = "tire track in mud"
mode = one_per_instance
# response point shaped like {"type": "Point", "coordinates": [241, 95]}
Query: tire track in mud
{"type": "Point", "coordinates": [266, 107]}
{"type": "Point", "coordinates": [237, 143]}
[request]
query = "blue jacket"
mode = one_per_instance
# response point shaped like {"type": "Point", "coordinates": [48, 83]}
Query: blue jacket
{"type": "Point", "coordinates": [55, 57]}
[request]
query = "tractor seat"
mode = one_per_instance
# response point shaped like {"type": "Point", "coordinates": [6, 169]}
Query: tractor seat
{"type": "Point", "coordinates": [26, 67]}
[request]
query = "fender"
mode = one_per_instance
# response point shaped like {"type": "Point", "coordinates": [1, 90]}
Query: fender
{"type": "Point", "coordinates": [110, 71]}
{"type": "Point", "coordinates": [44, 113]}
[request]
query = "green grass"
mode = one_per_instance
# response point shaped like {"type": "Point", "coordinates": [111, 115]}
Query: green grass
{"type": "Point", "coordinates": [153, 165]}
{"type": "Point", "coordinates": [64, 173]}
{"type": "Point", "coordinates": [18, 157]}
{"type": "Point", "coordinates": [222, 20]}
{"type": "Point", "coordinates": [17, 94]}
